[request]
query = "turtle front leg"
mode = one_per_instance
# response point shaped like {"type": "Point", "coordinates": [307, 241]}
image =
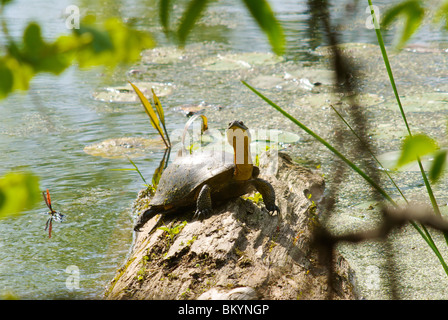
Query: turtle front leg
{"type": "Point", "coordinates": [203, 203]}
{"type": "Point", "coordinates": [267, 192]}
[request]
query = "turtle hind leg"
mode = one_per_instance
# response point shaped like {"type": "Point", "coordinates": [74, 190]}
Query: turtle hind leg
{"type": "Point", "coordinates": [203, 203]}
{"type": "Point", "coordinates": [144, 217]}
{"type": "Point", "coordinates": [267, 192]}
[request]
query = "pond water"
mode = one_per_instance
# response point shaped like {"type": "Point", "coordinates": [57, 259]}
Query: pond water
{"type": "Point", "coordinates": [47, 129]}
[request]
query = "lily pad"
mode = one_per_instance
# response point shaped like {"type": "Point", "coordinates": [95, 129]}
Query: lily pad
{"type": "Point", "coordinates": [388, 131]}
{"type": "Point", "coordinates": [347, 48]}
{"type": "Point", "coordinates": [314, 76]}
{"type": "Point", "coordinates": [425, 102]}
{"type": "Point", "coordinates": [248, 60]}
{"type": "Point", "coordinates": [423, 48]}
{"type": "Point", "coordinates": [325, 99]}
{"type": "Point", "coordinates": [168, 55]}
{"type": "Point", "coordinates": [274, 135]}
{"type": "Point", "coordinates": [125, 94]}
{"type": "Point", "coordinates": [262, 139]}
{"type": "Point", "coordinates": [116, 148]}
{"type": "Point", "coordinates": [191, 109]}
{"type": "Point", "coordinates": [305, 78]}
{"type": "Point", "coordinates": [389, 161]}
{"type": "Point", "coordinates": [269, 82]}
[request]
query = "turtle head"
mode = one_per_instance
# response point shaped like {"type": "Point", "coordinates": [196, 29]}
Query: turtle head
{"type": "Point", "coordinates": [237, 124]}
{"type": "Point", "coordinates": [239, 138]}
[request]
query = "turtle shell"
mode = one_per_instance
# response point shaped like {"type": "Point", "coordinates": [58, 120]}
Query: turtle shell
{"type": "Point", "coordinates": [182, 180]}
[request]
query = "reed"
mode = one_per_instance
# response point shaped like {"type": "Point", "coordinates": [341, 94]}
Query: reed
{"type": "Point", "coordinates": [157, 117]}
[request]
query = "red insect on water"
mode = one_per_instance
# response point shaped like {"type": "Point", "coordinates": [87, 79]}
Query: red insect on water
{"type": "Point", "coordinates": [53, 214]}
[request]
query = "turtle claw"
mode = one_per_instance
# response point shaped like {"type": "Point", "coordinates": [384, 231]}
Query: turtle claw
{"type": "Point", "coordinates": [201, 214]}
{"type": "Point", "coordinates": [272, 209]}
{"type": "Point", "coordinates": [138, 227]}
{"type": "Point", "coordinates": [139, 224]}
{"type": "Point", "coordinates": [143, 218]}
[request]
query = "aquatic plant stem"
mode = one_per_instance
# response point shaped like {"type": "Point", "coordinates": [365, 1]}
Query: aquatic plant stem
{"type": "Point", "coordinates": [138, 171]}
{"type": "Point", "coordinates": [397, 97]}
{"type": "Point", "coordinates": [369, 151]}
{"type": "Point", "coordinates": [403, 115]}
{"type": "Point", "coordinates": [325, 143]}
{"type": "Point", "coordinates": [424, 234]}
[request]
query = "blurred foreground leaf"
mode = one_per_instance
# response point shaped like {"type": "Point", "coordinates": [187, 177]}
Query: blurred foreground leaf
{"type": "Point", "coordinates": [6, 79]}
{"type": "Point", "coordinates": [190, 16]}
{"type": "Point", "coordinates": [109, 44]}
{"type": "Point", "coordinates": [18, 192]}
{"type": "Point", "coordinates": [438, 165]}
{"type": "Point", "coordinates": [259, 9]}
{"type": "Point", "coordinates": [262, 13]}
{"type": "Point", "coordinates": [164, 14]}
{"type": "Point", "coordinates": [412, 12]}
{"type": "Point", "coordinates": [40, 55]}
{"type": "Point", "coordinates": [442, 13]}
{"type": "Point", "coordinates": [416, 147]}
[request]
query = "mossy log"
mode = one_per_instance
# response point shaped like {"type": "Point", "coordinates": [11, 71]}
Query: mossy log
{"type": "Point", "coordinates": [240, 251]}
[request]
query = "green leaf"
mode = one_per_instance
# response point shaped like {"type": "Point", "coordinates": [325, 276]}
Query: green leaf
{"type": "Point", "coordinates": [127, 43]}
{"type": "Point", "coordinates": [22, 73]}
{"type": "Point", "coordinates": [190, 16]}
{"type": "Point", "coordinates": [415, 147]}
{"type": "Point", "coordinates": [262, 13]}
{"type": "Point", "coordinates": [438, 165]}
{"type": "Point", "coordinates": [5, 2]}
{"type": "Point", "coordinates": [32, 39]}
{"type": "Point", "coordinates": [110, 45]}
{"type": "Point", "coordinates": [99, 39]}
{"type": "Point", "coordinates": [6, 79]}
{"type": "Point", "coordinates": [442, 13]}
{"type": "Point", "coordinates": [95, 45]}
{"type": "Point", "coordinates": [412, 11]}
{"type": "Point", "coordinates": [90, 45]}
{"type": "Point", "coordinates": [18, 192]}
{"type": "Point", "coordinates": [41, 56]}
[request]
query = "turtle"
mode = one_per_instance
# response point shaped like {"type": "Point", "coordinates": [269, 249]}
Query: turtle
{"type": "Point", "coordinates": [204, 178]}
